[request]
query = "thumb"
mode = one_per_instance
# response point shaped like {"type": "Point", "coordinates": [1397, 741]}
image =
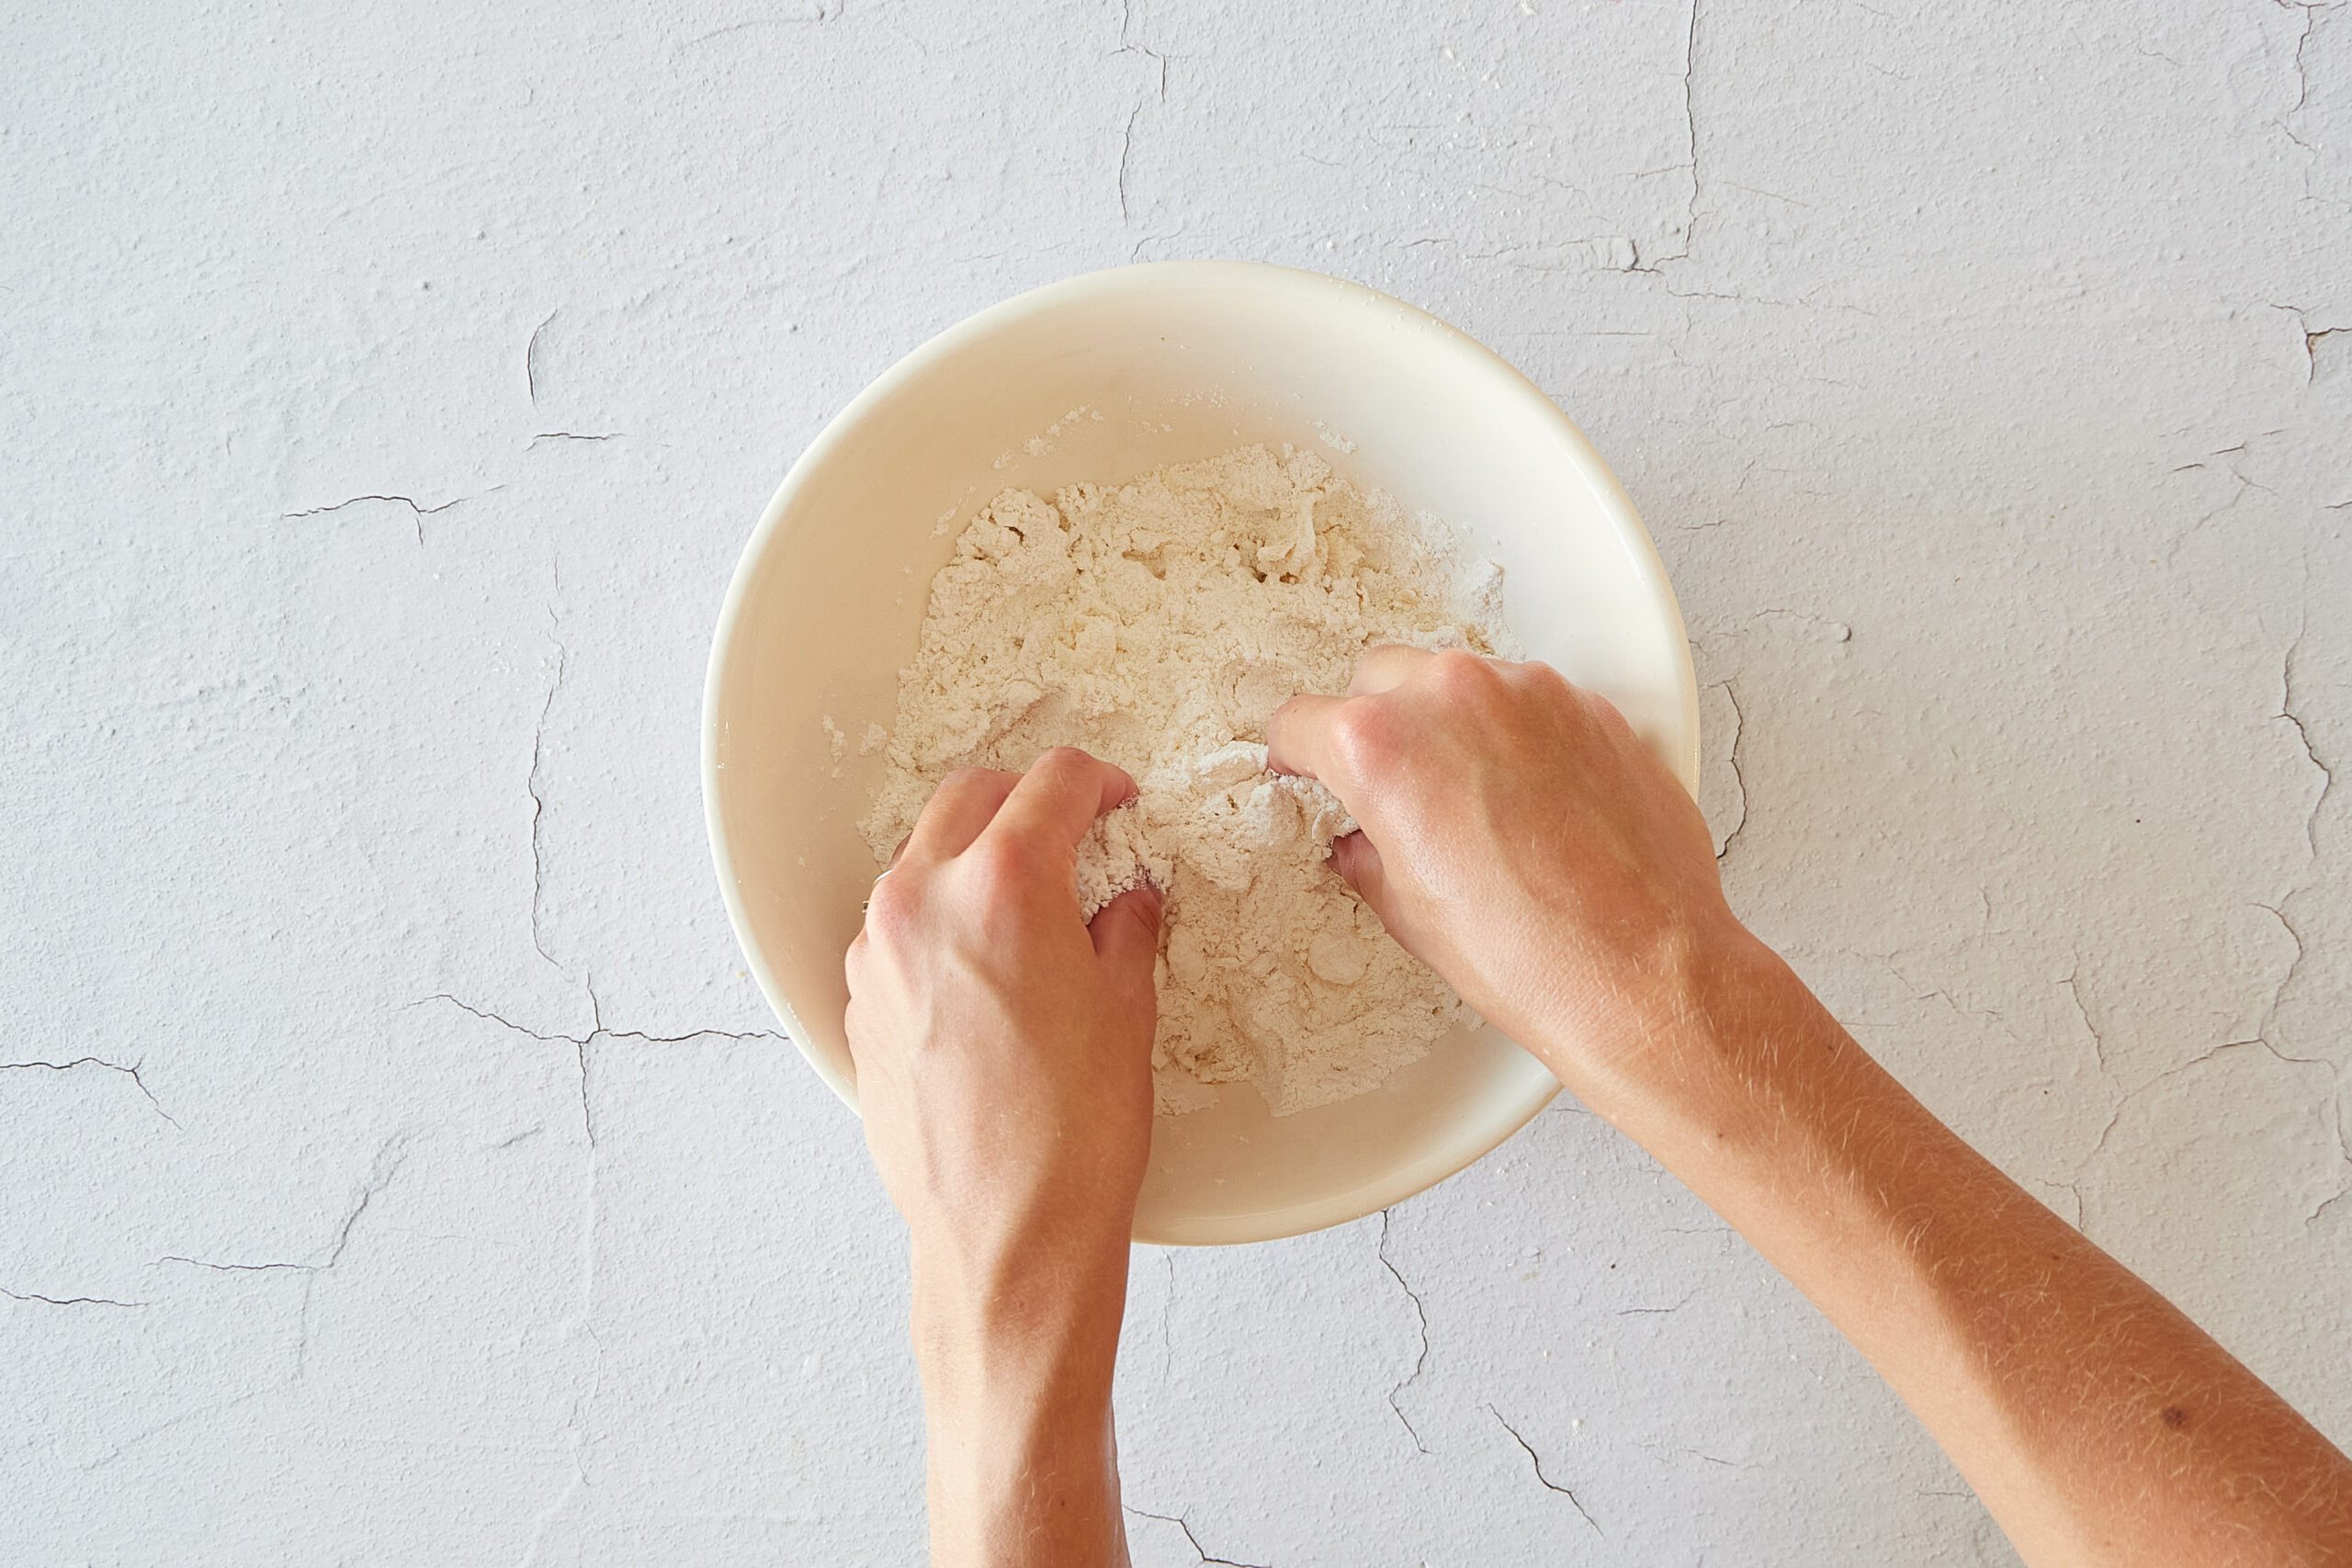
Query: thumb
{"type": "Point", "coordinates": [1358, 864]}
{"type": "Point", "coordinates": [1126, 939]}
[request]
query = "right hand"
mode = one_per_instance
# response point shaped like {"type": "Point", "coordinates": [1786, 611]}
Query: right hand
{"type": "Point", "coordinates": [1519, 839]}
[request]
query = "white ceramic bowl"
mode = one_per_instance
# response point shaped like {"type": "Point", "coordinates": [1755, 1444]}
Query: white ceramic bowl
{"type": "Point", "coordinates": [1184, 360]}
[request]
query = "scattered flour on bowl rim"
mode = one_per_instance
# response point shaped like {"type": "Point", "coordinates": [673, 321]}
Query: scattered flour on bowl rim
{"type": "Point", "coordinates": [1156, 624]}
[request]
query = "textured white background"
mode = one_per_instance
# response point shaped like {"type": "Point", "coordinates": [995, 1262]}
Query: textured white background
{"type": "Point", "coordinates": [395, 1167]}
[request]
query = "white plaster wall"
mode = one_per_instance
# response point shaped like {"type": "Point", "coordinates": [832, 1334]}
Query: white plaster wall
{"type": "Point", "coordinates": [395, 1165]}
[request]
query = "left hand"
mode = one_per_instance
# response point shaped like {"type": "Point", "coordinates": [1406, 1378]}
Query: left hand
{"type": "Point", "coordinates": [1004, 1053]}
{"type": "Point", "coordinates": [1002, 1046]}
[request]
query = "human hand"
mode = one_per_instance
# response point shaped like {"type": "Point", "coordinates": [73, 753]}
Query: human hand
{"type": "Point", "coordinates": [1004, 1054]}
{"type": "Point", "coordinates": [1002, 1046]}
{"type": "Point", "coordinates": [1519, 839]}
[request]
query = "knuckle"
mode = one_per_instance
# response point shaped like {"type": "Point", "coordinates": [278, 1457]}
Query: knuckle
{"type": "Point", "coordinates": [1604, 712]}
{"type": "Point", "coordinates": [1540, 678]}
{"type": "Point", "coordinates": [996, 865]}
{"type": "Point", "coordinates": [890, 909]}
{"type": "Point", "coordinates": [1458, 672]}
{"type": "Point", "coordinates": [1064, 764]}
{"type": "Point", "coordinates": [960, 780]}
{"type": "Point", "coordinates": [1467, 682]}
{"type": "Point", "coordinates": [1364, 736]}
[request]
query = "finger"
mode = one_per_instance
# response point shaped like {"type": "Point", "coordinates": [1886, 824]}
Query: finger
{"type": "Point", "coordinates": [1357, 863]}
{"type": "Point", "coordinates": [1059, 798]}
{"type": "Point", "coordinates": [1126, 939]}
{"type": "Point", "coordinates": [1389, 665]}
{"type": "Point", "coordinates": [963, 805]}
{"type": "Point", "coordinates": [1298, 737]}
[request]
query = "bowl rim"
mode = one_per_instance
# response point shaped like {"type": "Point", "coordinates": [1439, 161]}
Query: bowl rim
{"type": "Point", "coordinates": [1313, 288]}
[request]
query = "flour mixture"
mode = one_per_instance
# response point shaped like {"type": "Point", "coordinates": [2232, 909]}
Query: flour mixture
{"type": "Point", "coordinates": [1156, 624]}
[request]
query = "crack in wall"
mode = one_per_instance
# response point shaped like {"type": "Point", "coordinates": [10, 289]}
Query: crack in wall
{"type": "Point", "coordinates": [1168, 1315]}
{"type": "Point", "coordinates": [2072, 986]}
{"type": "Point", "coordinates": [579, 1050]}
{"type": "Point", "coordinates": [821, 12]}
{"type": "Point", "coordinates": [2312, 337]}
{"type": "Point", "coordinates": [1942, 994]}
{"type": "Point", "coordinates": [599, 1033]}
{"type": "Point", "coordinates": [2289, 712]}
{"type": "Point", "coordinates": [1738, 779]}
{"type": "Point", "coordinates": [382, 1170]}
{"type": "Point", "coordinates": [577, 435]}
{"type": "Point", "coordinates": [1181, 1523]}
{"type": "Point", "coordinates": [2303, 76]}
{"type": "Point", "coordinates": [1126, 149]}
{"type": "Point", "coordinates": [1134, 251]}
{"type": "Point", "coordinates": [1656, 267]}
{"type": "Point", "coordinates": [1700, 1454]}
{"type": "Point", "coordinates": [30, 1296]}
{"type": "Point", "coordinates": [2123, 1101]}
{"type": "Point", "coordinates": [2342, 1192]}
{"type": "Point", "coordinates": [585, 1054]}
{"type": "Point", "coordinates": [417, 512]}
{"type": "Point", "coordinates": [1536, 1459]}
{"type": "Point", "coordinates": [531, 358]}
{"type": "Point", "coordinates": [584, 1318]}
{"type": "Point", "coordinates": [1127, 45]}
{"type": "Point", "coordinates": [2246, 487]}
{"type": "Point", "coordinates": [538, 801]}
{"type": "Point", "coordinates": [1804, 621]}
{"type": "Point", "coordinates": [2262, 1037]}
{"type": "Point", "coordinates": [2279, 993]}
{"type": "Point", "coordinates": [1421, 1322]}
{"type": "Point", "coordinates": [131, 1072]}
{"type": "Point", "coordinates": [1690, 124]}
{"type": "Point", "coordinates": [1659, 1311]}
{"type": "Point", "coordinates": [2074, 1182]}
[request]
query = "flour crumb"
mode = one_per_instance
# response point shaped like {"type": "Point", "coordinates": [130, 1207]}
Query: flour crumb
{"type": "Point", "coordinates": [873, 741]}
{"type": "Point", "coordinates": [1157, 624]}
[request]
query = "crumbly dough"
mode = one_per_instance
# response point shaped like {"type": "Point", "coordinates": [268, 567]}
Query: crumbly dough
{"type": "Point", "coordinates": [1157, 624]}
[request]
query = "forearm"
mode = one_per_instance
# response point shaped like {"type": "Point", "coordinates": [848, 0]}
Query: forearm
{"type": "Point", "coordinates": [2099, 1424]}
{"type": "Point", "coordinates": [1016, 1372]}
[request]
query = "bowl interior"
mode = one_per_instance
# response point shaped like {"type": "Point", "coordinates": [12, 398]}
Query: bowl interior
{"type": "Point", "coordinates": [1104, 378]}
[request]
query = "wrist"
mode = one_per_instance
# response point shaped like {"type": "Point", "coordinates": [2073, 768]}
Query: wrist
{"type": "Point", "coordinates": [1683, 1044]}
{"type": "Point", "coordinates": [999, 1326]}
{"type": "Point", "coordinates": [1742, 1081]}
{"type": "Point", "coordinates": [1016, 1366]}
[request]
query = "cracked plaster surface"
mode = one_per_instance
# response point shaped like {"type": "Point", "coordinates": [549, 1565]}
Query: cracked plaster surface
{"type": "Point", "coordinates": [398, 1166]}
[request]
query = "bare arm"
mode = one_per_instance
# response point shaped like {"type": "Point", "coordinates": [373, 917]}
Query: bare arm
{"type": "Point", "coordinates": [1003, 1052]}
{"type": "Point", "coordinates": [1519, 838]}
{"type": "Point", "coordinates": [2099, 1424]}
